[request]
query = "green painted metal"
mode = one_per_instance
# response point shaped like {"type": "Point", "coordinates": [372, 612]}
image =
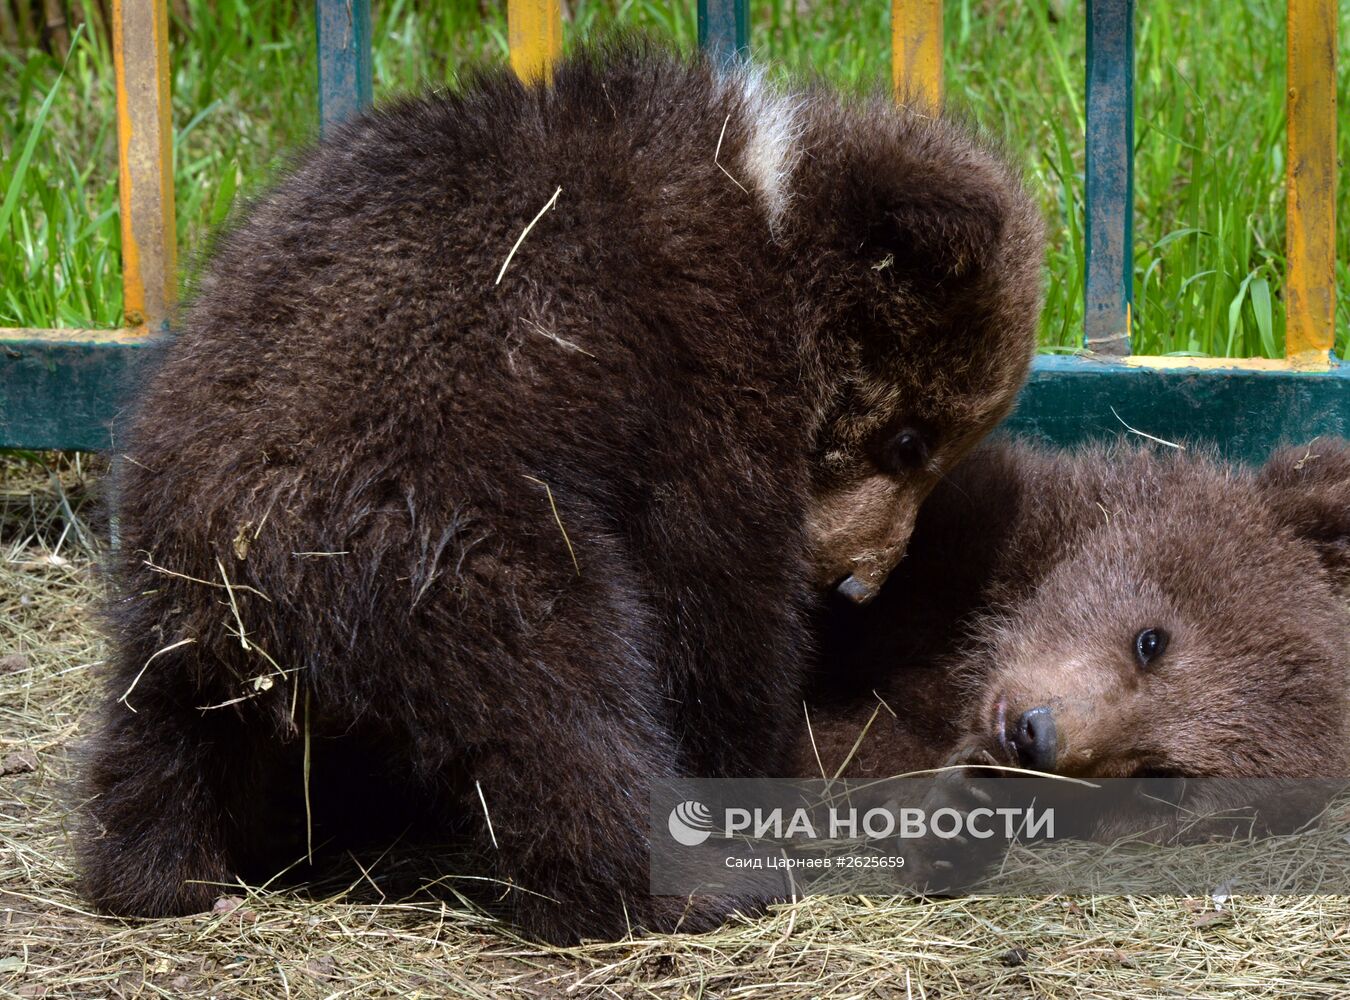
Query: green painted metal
{"type": "Point", "coordinates": [66, 393]}
{"type": "Point", "coordinates": [344, 60]}
{"type": "Point", "coordinates": [63, 389]}
{"type": "Point", "coordinates": [1245, 413]}
{"type": "Point", "coordinates": [1109, 287]}
{"type": "Point", "coordinates": [724, 27]}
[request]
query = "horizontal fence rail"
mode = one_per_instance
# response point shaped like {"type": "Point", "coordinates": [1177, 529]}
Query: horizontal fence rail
{"type": "Point", "coordinates": [62, 388]}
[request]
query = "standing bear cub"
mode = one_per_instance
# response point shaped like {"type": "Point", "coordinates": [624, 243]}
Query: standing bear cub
{"type": "Point", "coordinates": [501, 452]}
{"type": "Point", "coordinates": [1112, 613]}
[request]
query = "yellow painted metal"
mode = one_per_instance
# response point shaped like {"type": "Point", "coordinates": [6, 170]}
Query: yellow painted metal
{"type": "Point", "coordinates": [145, 158]}
{"type": "Point", "coordinates": [65, 336]}
{"type": "Point", "coordinates": [1310, 285]}
{"type": "Point", "coordinates": [534, 31]}
{"type": "Point", "coordinates": [1166, 362]}
{"type": "Point", "coordinates": [916, 52]}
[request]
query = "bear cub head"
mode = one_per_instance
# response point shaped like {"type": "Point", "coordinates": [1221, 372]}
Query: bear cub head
{"type": "Point", "coordinates": [1109, 613]}
{"type": "Point", "coordinates": [1200, 630]}
{"type": "Point", "coordinates": [923, 253]}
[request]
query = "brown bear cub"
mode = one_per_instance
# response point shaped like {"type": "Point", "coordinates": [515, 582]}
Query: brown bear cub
{"type": "Point", "coordinates": [1112, 613]}
{"type": "Point", "coordinates": [502, 451]}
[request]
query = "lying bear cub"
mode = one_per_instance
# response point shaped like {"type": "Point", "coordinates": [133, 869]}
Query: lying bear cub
{"type": "Point", "coordinates": [1116, 612]}
{"type": "Point", "coordinates": [499, 457]}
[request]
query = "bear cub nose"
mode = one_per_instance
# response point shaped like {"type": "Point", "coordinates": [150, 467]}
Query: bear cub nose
{"type": "Point", "coordinates": [1035, 740]}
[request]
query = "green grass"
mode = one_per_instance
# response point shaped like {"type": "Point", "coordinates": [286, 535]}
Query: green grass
{"type": "Point", "coordinates": [1209, 169]}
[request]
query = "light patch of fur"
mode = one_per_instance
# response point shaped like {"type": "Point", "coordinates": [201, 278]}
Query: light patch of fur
{"type": "Point", "coordinates": [775, 124]}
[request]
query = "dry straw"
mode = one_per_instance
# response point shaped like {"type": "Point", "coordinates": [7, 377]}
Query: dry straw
{"type": "Point", "coordinates": [353, 934]}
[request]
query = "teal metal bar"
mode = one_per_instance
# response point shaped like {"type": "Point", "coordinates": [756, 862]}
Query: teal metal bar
{"type": "Point", "coordinates": [344, 60]}
{"type": "Point", "coordinates": [724, 27]}
{"type": "Point", "coordinates": [1109, 289]}
{"type": "Point", "coordinates": [1244, 413]}
{"type": "Point", "coordinates": [66, 392]}
{"type": "Point", "coordinates": [63, 389]}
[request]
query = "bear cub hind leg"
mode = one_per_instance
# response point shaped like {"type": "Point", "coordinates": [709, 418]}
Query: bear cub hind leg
{"type": "Point", "coordinates": [181, 805]}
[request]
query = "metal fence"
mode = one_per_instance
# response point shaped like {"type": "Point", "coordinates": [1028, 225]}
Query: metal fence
{"type": "Point", "coordinates": [61, 388]}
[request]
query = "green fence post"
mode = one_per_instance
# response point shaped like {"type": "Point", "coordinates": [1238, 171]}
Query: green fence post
{"type": "Point", "coordinates": [344, 60]}
{"type": "Point", "coordinates": [1109, 289]}
{"type": "Point", "coordinates": [724, 27]}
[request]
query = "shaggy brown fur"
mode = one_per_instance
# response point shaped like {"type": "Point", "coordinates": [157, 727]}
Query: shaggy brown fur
{"type": "Point", "coordinates": [518, 543]}
{"type": "Point", "coordinates": [1031, 574]}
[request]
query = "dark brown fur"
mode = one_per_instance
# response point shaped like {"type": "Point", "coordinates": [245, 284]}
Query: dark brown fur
{"type": "Point", "coordinates": [1030, 573]}
{"type": "Point", "coordinates": [520, 548]}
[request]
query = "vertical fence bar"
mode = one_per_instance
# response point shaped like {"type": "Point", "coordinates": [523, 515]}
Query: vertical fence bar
{"type": "Point", "coordinates": [534, 32]}
{"type": "Point", "coordinates": [145, 161]}
{"type": "Point", "coordinates": [1311, 184]}
{"type": "Point", "coordinates": [1109, 288]}
{"type": "Point", "coordinates": [724, 27]}
{"type": "Point", "coordinates": [916, 51]}
{"type": "Point", "coordinates": [344, 60]}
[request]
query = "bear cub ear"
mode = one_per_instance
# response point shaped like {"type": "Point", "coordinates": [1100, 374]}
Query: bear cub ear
{"type": "Point", "coordinates": [929, 203]}
{"type": "Point", "coordinates": [1308, 488]}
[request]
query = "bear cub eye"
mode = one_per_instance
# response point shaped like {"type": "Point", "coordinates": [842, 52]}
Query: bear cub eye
{"type": "Point", "coordinates": [1149, 645]}
{"type": "Point", "coordinates": [906, 451]}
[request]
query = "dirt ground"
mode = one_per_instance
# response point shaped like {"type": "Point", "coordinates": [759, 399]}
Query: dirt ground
{"type": "Point", "coordinates": [352, 939]}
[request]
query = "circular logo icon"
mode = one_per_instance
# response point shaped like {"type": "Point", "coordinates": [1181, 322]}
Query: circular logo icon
{"type": "Point", "coordinates": [690, 823]}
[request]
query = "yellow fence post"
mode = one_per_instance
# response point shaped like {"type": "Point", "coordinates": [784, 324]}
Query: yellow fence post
{"type": "Point", "coordinates": [534, 32]}
{"type": "Point", "coordinates": [1310, 284]}
{"type": "Point", "coordinates": [145, 161]}
{"type": "Point", "coordinates": [916, 51]}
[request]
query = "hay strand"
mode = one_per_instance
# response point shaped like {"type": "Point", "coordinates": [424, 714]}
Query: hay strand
{"type": "Point", "coordinates": [521, 238]}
